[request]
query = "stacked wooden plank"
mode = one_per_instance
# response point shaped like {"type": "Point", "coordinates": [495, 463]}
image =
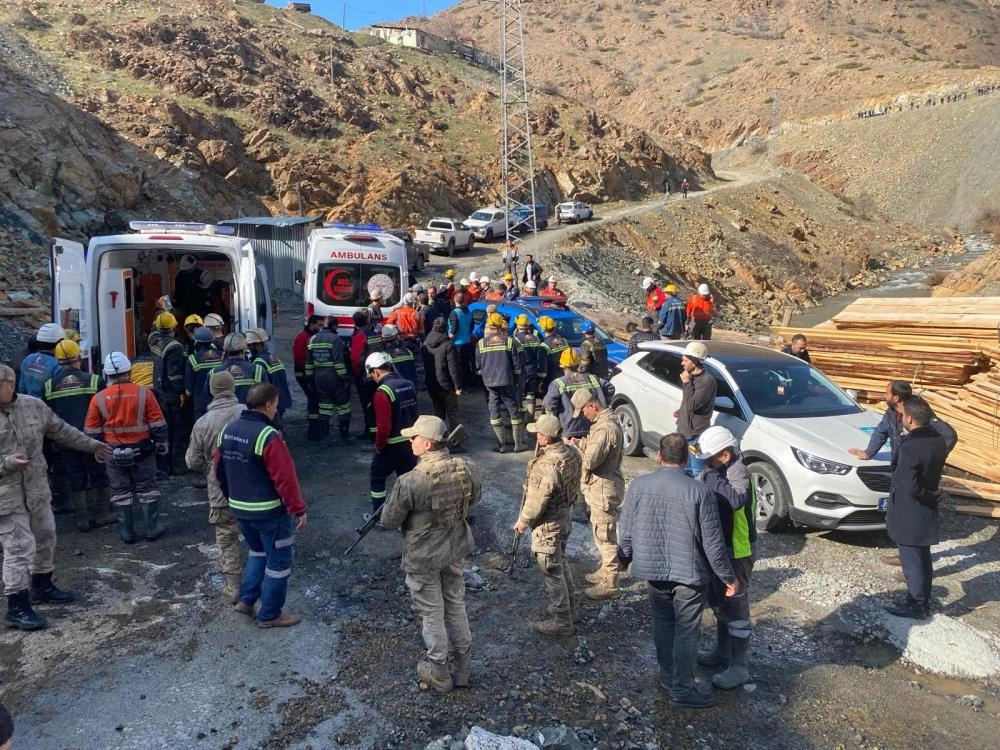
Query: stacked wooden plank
{"type": "Point", "coordinates": [947, 347]}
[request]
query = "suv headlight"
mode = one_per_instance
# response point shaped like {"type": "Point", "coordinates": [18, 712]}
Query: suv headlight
{"type": "Point", "coordinates": [820, 465]}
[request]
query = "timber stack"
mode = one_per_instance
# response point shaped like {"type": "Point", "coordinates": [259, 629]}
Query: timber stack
{"type": "Point", "coordinates": [946, 347]}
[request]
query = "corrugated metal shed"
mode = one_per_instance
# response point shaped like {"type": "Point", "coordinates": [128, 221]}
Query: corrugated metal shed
{"type": "Point", "coordinates": [279, 244]}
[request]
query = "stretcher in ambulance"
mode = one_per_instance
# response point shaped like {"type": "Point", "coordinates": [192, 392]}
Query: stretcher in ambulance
{"type": "Point", "coordinates": [347, 265]}
{"type": "Point", "coordinates": [110, 292]}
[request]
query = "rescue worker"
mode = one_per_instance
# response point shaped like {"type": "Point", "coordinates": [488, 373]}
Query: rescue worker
{"type": "Point", "coordinates": [559, 397]}
{"type": "Point", "coordinates": [395, 405]}
{"type": "Point", "coordinates": [603, 483]}
{"type": "Point", "coordinates": [400, 354]}
{"type": "Point", "coordinates": [234, 361]}
{"type": "Point", "coordinates": [729, 479]}
{"type": "Point", "coordinates": [530, 288]}
{"type": "Point", "coordinates": [512, 292]}
{"type": "Point", "coordinates": [68, 394]}
{"type": "Point", "coordinates": [673, 315]}
{"type": "Point", "coordinates": [217, 326]}
{"type": "Point", "coordinates": [257, 474]}
{"type": "Point", "coordinates": [269, 369]}
{"type": "Point", "coordinates": [498, 362]}
{"type": "Point", "coordinates": [700, 309]}
{"type": "Point", "coordinates": [127, 417]}
{"type": "Point", "coordinates": [431, 506]}
{"type": "Point", "coordinates": [460, 330]}
{"type": "Point", "coordinates": [326, 373]}
{"type": "Point", "coordinates": [200, 456]}
{"type": "Point", "coordinates": [449, 284]}
{"type": "Point", "coordinates": [40, 365]}
{"type": "Point", "coordinates": [593, 352]}
{"type": "Point", "coordinates": [495, 294]}
{"type": "Point", "coordinates": [552, 290]}
{"type": "Point", "coordinates": [553, 485]}
{"type": "Point", "coordinates": [27, 526]}
{"type": "Point", "coordinates": [407, 320]}
{"type": "Point", "coordinates": [654, 295]}
{"type": "Point", "coordinates": [300, 348]}
{"type": "Point", "coordinates": [198, 369]}
{"type": "Point", "coordinates": [375, 314]}
{"type": "Point", "coordinates": [554, 345]}
{"type": "Point", "coordinates": [533, 362]}
{"type": "Point", "coordinates": [169, 361]}
{"type": "Point", "coordinates": [474, 291]}
{"type": "Point", "coordinates": [365, 341]}
{"type": "Point", "coordinates": [191, 324]}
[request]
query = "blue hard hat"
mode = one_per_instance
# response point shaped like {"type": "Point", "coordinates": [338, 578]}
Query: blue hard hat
{"type": "Point", "coordinates": [203, 335]}
{"type": "Point", "coordinates": [587, 326]}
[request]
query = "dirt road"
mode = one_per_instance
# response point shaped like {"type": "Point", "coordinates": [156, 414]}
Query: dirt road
{"type": "Point", "coordinates": [151, 657]}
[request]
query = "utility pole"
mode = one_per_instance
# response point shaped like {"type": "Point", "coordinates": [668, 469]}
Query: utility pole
{"type": "Point", "coordinates": [517, 164]}
{"type": "Point", "coordinates": [775, 127]}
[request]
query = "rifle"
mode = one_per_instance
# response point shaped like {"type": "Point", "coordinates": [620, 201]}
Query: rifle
{"type": "Point", "coordinates": [517, 537]}
{"type": "Point", "coordinates": [455, 437]}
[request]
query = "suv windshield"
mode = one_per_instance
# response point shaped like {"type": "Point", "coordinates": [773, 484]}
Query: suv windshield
{"type": "Point", "coordinates": [482, 216]}
{"type": "Point", "coordinates": [352, 284]}
{"type": "Point", "coordinates": [569, 329]}
{"type": "Point", "coordinates": [790, 391]}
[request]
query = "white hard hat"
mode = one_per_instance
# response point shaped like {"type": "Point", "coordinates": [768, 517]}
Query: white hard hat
{"type": "Point", "coordinates": [484, 280]}
{"type": "Point", "coordinates": [703, 289]}
{"type": "Point", "coordinates": [257, 336]}
{"type": "Point", "coordinates": [713, 441]}
{"type": "Point", "coordinates": [214, 321]}
{"type": "Point", "coordinates": [187, 262]}
{"type": "Point", "coordinates": [530, 284]}
{"type": "Point", "coordinates": [234, 342]}
{"type": "Point", "coordinates": [389, 331]}
{"type": "Point", "coordinates": [116, 363]}
{"type": "Point", "coordinates": [647, 282]}
{"type": "Point", "coordinates": [408, 298]}
{"type": "Point", "coordinates": [552, 278]}
{"type": "Point", "coordinates": [473, 277]}
{"type": "Point", "coordinates": [696, 350]}
{"type": "Point", "coordinates": [463, 282]}
{"type": "Point", "coordinates": [50, 333]}
{"type": "Point", "coordinates": [377, 360]}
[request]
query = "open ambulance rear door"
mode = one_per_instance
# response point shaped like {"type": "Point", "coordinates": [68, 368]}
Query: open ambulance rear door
{"type": "Point", "coordinates": [265, 310]}
{"type": "Point", "coordinates": [72, 302]}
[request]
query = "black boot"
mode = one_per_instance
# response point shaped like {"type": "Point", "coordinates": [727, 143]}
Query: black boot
{"type": "Point", "coordinates": [151, 515]}
{"type": "Point", "coordinates": [43, 591]}
{"type": "Point", "coordinates": [20, 615]}
{"type": "Point", "coordinates": [127, 524]}
{"type": "Point", "coordinates": [345, 431]}
{"type": "Point", "coordinates": [501, 444]}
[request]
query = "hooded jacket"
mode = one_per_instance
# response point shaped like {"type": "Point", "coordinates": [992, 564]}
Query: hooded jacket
{"type": "Point", "coordinates": [440, 362]}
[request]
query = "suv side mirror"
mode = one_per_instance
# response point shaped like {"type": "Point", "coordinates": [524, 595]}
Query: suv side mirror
{"type": "Point", "coordinates": [299, 278]}
{"type": "Point", "coordinates": [725, 404]}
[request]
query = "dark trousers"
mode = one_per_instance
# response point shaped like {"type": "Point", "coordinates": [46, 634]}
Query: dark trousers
{"type": "Point", "coordinates": [269, 563]}
{"type": "Point", "coordinates": [677, 610]}
{"type": "Point", "coordinates": [312, 409]}
{"type": "Point", "coordinates": [701, 330]}
{"type": "Point", "coordinates": [445, 406]}
{"type": "Point", "coordinates": [734, 611]}
{"type": "Point", "coordinates": [79, 470]}
{"type": "Point", "coordinates": [467, 364]}
{"type": "Point", "coordinates": [505, 396]}
{"type": "Point", "coordinates": [179, 424]}
{"type": "Point", "coordinates": [918, 570]}
{"type": "Point", "coordinates": [395, 458]}
{"type": "Point", "coordinates": [366, 388]}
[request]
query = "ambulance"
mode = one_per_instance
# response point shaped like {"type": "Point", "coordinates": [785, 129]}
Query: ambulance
{"type": "Point", "coordinates": [348, 264]}
{"type": "Point", "coordinates": [110, 292]}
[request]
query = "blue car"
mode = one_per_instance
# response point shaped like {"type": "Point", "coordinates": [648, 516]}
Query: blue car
{"type": "Point", "coordinates": [568, 322]}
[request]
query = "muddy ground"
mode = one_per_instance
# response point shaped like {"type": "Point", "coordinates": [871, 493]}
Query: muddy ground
{"type": "Point", "coordinates": [151, 657]}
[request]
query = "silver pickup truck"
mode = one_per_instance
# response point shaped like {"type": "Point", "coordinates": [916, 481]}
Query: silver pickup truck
{"type": "Point", "coordinates": [445, 236]}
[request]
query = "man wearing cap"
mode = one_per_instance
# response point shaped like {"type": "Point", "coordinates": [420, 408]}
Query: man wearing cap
{"type": "Point", "coordinates": [699, 310]}
{"type": "Point", "coordinates": [395, 405]}
{"type": "Point", "coordinates": [127, 417]}
{"type": "Point", "coordinates": [533, 362]}
{"type": "Point", "coordinates": [431, 506]}
{"type": "Point", "coordinates": [27, 526]}
{"type": "Point", "coordinates": [554, 345]}
{"type": "Point", "coordinates": [267, 368]}
{"type": "Point", "coordinates": [441, 373]}
{"type": "Point", "coordinates": [552, 489]}
{"type": "Point", "coordinates": [498, 361]}
{"type": "Point", "coordinates": [408, 322]}
{"type": "Point", "coordinates": [672, 316]}
{"type": "Point", "coordinates": [603, 486]}
{"type": "Point", "coordinates": [654, 295]}
{"type": "Point", "coordinates": [400, 354]}
{"type": "Point", "coordinates": [698, 389]}
{"type": "Point", "coordinates": [530, 288]}
{"type": "Point", "coordinates": [729, 479]}
{"type": "Point", "coordinates": [217, 326]}
{"type": "Point", "coordinates": [234, 361]}
{"type": "Point", "coordinates": [559, 396]}
{"type": "Point", "coordinates": [532, 271]}
{"type": "Point", "coordinates": [645, 332]}
{"type": "Point", "coordinates": [460, 330]}
{"type": "Point", "coordinates": [68, 394]}
{"type": "Point", "coordinates": [328, 378]}
{"type": "Point", "coordinates": [200, 454]}
{"type": "Point", "coordinates": [198, 368]}
{"type": "Point", "coordinates": [257, 474]}
{"type": "Point", "coordinates": [593, 352]}
{"type": "Point", "coordinates": [169, 359]}
{"type": "Point", "coordinates": [40, 365]}
{"type": "Point", "coordinates": [512, 292]}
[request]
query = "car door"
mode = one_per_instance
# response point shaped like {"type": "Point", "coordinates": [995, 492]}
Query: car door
{"type": "Point", "coordinates": [265, 311]}
{"type": "Point", "coordinates": [71, 296]}
{"type": "Point", "coordinates": [659, 393]}
{"type": "Point", "coordinates": [733, 417]}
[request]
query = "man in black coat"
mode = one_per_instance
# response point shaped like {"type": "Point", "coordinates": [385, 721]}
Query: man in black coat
{"type": "Point", "coordinates": [441, 372]}
{"type": "Point", "coordinates": [912, 518]}
{"type": "Point", "coordinates": [532, 271]}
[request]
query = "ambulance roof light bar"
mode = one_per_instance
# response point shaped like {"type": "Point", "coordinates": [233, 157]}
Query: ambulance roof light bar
{"type": "Point", "coordinates": [190, 227]}
{"type": "Point", "coordinates": [352, 227]}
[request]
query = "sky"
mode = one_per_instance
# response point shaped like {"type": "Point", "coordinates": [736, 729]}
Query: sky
{"type": "Point", "coordinates": [360, 13]}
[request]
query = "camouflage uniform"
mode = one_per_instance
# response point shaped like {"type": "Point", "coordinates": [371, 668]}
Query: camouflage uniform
{"type": "Point", "coordinates": [553, 487]}
{"type": "Point", "coordinates": [604, 488]}
{"type": "Point", "coordinates": [27, 526]}
{"type": "Point", "coordinates": [431, 503]}
{"type": "Point", "coordinates": [200, 453]}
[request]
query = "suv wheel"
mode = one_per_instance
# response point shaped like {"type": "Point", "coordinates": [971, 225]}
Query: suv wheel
{"type": "Point", "coordinates": [489, 234]}
{"type": "Point", "coordinates": [419, 264]}
{"type": "Point", "coordinates": [472, 241]}
{"type": "Point", "coordinates": [628, 420]}
{"type": "Point", "coordinates": [774, 499]}
{"type": "Point", "coordinates": [451, 247]}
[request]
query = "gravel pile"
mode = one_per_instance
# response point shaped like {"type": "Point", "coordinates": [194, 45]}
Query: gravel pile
{"type": "Point", "coordinates": [17, 54]}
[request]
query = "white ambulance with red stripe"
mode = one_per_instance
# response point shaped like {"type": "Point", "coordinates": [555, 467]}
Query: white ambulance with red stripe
{"type": "Point", "coordinates": [347, 265]}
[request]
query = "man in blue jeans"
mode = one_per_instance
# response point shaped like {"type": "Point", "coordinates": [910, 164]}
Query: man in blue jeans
{"type": "Point", "coordinates": [256, 473]}
{"type": "Point", "coordinates": [669, 531]}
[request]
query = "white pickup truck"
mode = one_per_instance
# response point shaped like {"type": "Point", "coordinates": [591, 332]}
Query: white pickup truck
{"type": "Point", "coordinates": [445, 236]}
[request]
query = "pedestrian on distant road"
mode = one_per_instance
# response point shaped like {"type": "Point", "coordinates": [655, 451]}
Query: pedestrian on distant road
{"type": "Point", "coordinates": [700, 310]}
{"type": "Point", "coordinates": [698, 389]}
{"type": "Point", "coordinates": [666, 187]}
{"type": "Point", "coordinates": [670, 533]}
{"type": "Point", "coordinates": [672, 316]}
{"type": "Point", "coordinates": [685, 187]}
{"type": "Point", "coordinates": [644, 333]}
{"type": "Point", "coordinates": [798, 347]}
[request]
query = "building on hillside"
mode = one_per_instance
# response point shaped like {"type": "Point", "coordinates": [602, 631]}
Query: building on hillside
{"type": "Point", "coordinates": [410, 36]}
{"type": "Point", "coordinates": [279, 245]}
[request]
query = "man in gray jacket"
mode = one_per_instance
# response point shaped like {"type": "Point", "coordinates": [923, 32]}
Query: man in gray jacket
{"type": "Point", "coordinates": [669, 531]}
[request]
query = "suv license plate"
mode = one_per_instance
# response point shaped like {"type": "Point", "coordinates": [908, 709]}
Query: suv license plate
{"type": "Point", "coordinates": [883, 503]}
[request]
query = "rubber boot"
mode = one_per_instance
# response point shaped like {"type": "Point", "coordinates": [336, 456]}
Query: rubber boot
{"type": "Point", "coordinates": [231, 590]}
{"type": "Point", "coordinates": [498, 431]}
{"type": "Point", "coordinates": [43, 591]}
{"type": "Point", "coordinates": [460, 668]}
{"type": "Point", "coordinates": [345, 431]}
{"type": "Point", "coordinates": [718, 657]}
{"type": "Point", "coordinates": [520, 438]}
{"type": "Point", "coordinates": [99, 507]}
{"type": "Point", "coordinates": [151, 515]}
{"type": "Point", "coordinates": [20, 615]}
{"type": "Point", "coordinates": [508, 432]}
{"type": "Point", "coordinates": [79, 502]}
{"type": "Point", "coordinates": [435, 675]}
{"type": "Point", "coordinates": [737, 674]}
{"type": "Point", "coordinates": [126, 524]}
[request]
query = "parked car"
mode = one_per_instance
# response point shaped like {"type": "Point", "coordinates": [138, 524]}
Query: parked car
{"type": "Point", "coordinates": [488, 223]}
{"type": "Point", "coordinates": [444, 235]}
{"type": "Point", "coordinates": [525, 219]}
{"type": "Point", "coordinates": [794, 424]}
{"type": "Point", "coordinates": [568, 322]}
{"type": "Point", "coordinates": [417, 256]}
{"type": "Point", "coordinates": [573, 211]}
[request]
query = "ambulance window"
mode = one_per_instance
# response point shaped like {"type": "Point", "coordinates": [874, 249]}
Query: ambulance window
{"type": "Point", "coordinates": [351, 284]}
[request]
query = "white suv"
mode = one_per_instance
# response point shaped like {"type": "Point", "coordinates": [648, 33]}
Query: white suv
{"type": "Point", "coordinates": [487, 223]}
{"type": "Point", "coordinates": [573, 211]}
{"type": "Point", "coordinates": [795, 427]}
